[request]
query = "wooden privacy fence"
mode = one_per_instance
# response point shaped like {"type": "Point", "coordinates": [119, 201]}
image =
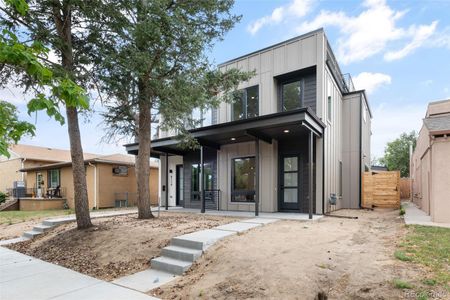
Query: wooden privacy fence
{"type": "Point", "coordinates": [381, 189]}
{"type": "Point", "coordinates": [405, 188]}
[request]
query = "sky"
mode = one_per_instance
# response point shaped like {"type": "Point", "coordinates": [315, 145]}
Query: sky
{"type": "Point", "coordinates": [399, 51]}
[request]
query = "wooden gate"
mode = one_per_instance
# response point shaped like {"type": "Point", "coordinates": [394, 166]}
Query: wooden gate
{"type": "Point", "coordinates": [381, 189]}
{"type": "Point", "coordinates": [405, 188]}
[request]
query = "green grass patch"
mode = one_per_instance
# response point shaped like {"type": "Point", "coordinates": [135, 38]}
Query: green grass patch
{"type": "Point", "coordinates": [400, 284]}
{"type": "Point", "coordinates": [402, 211]}
{"type": "Point", "coordinates": [428, 246]}
{"type": "Point", "coordinates": [429, 281]}
{"type": "Point", "coordinates": [17, 216]}
{"type": "Point", "coordinates": [402, 256]}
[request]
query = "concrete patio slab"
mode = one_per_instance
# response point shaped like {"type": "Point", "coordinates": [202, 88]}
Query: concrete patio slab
{"type": "Point", "coordinates": [145, 281]}
{"type": "Point", "coordinates": [202, 239]}
{"type": "Point", "coordinates": [260, 221]}
{"type": "Point", "coordinates": [24, 277]}
{"type": "Point", "coordinates": [237, 226]}
{"type": "Point", "coordinates": [416, 216]}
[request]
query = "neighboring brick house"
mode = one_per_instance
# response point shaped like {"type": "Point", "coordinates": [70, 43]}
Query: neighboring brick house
{"type": "Point", "coordinates": [431, 163]}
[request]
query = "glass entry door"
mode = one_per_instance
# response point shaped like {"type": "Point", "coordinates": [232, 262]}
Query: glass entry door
{"type": "Point", "coordinates": [289, 182]}
{"type": "Point", "coordinates": [180, 185]}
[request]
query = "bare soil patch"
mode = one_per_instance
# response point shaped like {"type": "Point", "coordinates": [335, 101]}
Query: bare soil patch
{"type": "Point", "coordinates": [339, 258]}
{"type": "Point", "coordinates": [115, 246]}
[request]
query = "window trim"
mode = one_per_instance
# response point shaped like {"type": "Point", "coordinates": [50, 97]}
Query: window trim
{"type": "Point", "coordinates": [233, 193]}
{"type": "Point", "coordinates": [281, 83]}
{"type": "Point", "coordinates": [245, 105]}
{"type": "Point", "coordinates": [206, 165]}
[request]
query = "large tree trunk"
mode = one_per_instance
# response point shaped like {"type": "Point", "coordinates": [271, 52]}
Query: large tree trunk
{"type": "Point", "coordinates": [63, 25]}
{"type": "Point", "coordinates": [143, 161]}
{"type": "Point", "coordinates": [78, 170]}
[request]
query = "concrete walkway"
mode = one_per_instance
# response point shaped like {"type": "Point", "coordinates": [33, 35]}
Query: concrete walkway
{"type": "Point", "coordinates": [183, 250]}
{"type": "Point", "coordinates": [416, 216]}
{"type": "Point", "coordinates": [25, 277]}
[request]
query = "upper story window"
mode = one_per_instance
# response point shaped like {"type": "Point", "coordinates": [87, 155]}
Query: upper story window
{"type": "Point", "coordinates": [291, 95]}
{"type": "Point", "coordinates": [246, 103]}
{"type": "Point", "coordinates": [203, 116]}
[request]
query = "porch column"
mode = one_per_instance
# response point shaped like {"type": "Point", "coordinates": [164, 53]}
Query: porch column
{"type": "Point", "coordinates": [257, 177]}
{"type": "Point", "coordinates": [311, 170]}
{"type": "Point", "coordinates": [166, 165]}
{"type": "Point", "coordinates": [202, 181]}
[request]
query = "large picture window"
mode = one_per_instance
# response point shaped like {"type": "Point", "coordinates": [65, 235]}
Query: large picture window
{"type": "Point", "coordinates": [195, 180]}
{"type": "Point", "coordinates": [243, 179]}
{"type": "Point", "coordinates": [291, 95]}
{"type": "Point", "coordinates": [246, 103]}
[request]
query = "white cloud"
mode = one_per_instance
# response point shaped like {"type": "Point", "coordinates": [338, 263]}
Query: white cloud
{"type": "Point", "coordinates": [370, 81]}
{"type": "Point", "coordinates": [295, 9]}
{"type": "Point", "coordinates": [420, 36]}
{"type": "Point", "coordinates": [390, 120]}
{"type": "Point", "coordinates": [427, 82]}
{"type": "Point", "coordinates": [371, 32]}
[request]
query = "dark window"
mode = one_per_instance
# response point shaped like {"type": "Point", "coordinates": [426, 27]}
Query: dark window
{"type": "Point", "coordinates": [329, 107]}
{"type": "Point", "coordinates": [243, 180]}
{"type": "Point", "coordinates": [195, 180]}
{"type": "Point", "coordinates": [245, 103]}
{"type": "Point", "coordinates": [291, 95]}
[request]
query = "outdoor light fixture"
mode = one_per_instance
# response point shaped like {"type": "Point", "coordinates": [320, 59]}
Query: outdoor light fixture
{"type": "Point", "coordinates": [233, 139]}
{"type": "Point", "coordinates": [286, 131]}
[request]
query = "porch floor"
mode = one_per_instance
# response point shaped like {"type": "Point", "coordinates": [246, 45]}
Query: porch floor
{"type": "Point", "coordinates": [248, 214]}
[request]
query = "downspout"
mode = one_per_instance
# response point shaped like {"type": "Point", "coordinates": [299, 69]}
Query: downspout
{"type": "Point", "coordinates": [360, 150]}
{"type": "Point", "coordinates": [23, 167]}
{"type": "Point", "coordinates": [323, 173]}
{"type": "Point", "coordinates": [95, 184]}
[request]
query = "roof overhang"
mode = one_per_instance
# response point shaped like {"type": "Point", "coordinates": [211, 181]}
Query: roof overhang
{"type": "Point", "coordinates": [266, 128]}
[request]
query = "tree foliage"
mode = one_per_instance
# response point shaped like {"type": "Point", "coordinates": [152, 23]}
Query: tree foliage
{"type": "Point", "coordinates": [24, 58]}
{"type": "Point", "coordinates": [396, 153]}
{"type": "Point", "coordinates": [11, 129]}
{"type": "Point", "coordinates": [154, 68]}
{"type": "Point", "coordinates": [31, 30]}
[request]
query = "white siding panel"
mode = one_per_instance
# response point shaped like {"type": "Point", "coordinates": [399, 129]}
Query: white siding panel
{"type": "Point", "coordinates": [309, 52]}
{"type": "Point", "coordinates": [293, 56]}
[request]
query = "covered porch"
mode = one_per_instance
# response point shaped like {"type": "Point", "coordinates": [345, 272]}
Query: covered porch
{"type": "Point", "coordinates": [269, 163]}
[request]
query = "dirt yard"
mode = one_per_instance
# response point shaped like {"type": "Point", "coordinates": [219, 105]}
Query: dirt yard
{"type": "Point", "coordinates": [115, 246]}
{"type": "Point", "coordinates": [339, 258]}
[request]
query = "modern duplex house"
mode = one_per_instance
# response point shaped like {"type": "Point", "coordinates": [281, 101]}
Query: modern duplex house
{"type": "Point", "coordinates": [296, 138]}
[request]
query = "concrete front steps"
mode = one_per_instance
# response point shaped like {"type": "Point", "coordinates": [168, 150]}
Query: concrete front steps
{"type": "Point", "coordinates": [37, 230]}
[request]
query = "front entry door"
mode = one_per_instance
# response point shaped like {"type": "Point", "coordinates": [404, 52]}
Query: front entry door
{"type": "Point", "coordinates": [289, 182]}
{"type": "Point", "coordinates": [180, 185]}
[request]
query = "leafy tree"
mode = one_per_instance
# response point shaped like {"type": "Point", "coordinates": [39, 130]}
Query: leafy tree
{"type": "Point", "coordinates": [52, 24]}
{"type": "Point", "coordinates": [153, 64]}
{"type": "Point", "coordinates": [396, 153]}
{"type": "Point", "coordinates": [11, 129]}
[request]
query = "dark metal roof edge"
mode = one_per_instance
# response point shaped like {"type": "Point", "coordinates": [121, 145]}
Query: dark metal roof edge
{"type": "Point", "coordinates": [299, 37]}
{"type": "Point", "coordinates": [243, 121]}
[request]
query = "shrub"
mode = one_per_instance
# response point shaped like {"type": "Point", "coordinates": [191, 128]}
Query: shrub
{"type": "Point", "coordinates": [2, 197]}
